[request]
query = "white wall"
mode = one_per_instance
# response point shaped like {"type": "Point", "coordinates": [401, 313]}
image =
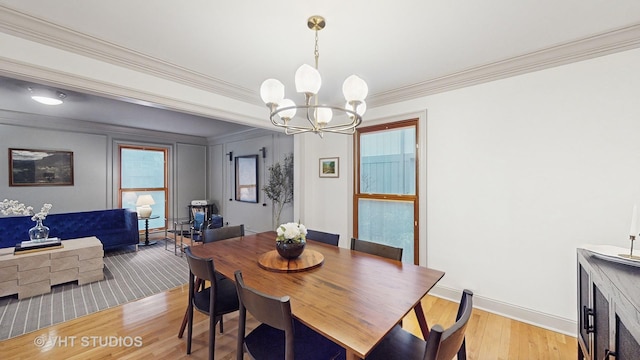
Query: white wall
{"type": "Point", "coordinates": [325, 203]}
{"type": "Point", "coordinates": [519, 173]}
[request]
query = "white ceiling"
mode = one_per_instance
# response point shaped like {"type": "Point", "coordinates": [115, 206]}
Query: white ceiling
{"type": "Point", "coordinates": [403, 49]}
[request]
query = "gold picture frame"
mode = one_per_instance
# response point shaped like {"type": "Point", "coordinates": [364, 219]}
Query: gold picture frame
{"type": "Point", "coordinates": [329, 167]}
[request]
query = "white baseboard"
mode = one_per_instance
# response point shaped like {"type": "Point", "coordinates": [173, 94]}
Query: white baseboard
{"type": "Point", "coordinates": [545, 321]}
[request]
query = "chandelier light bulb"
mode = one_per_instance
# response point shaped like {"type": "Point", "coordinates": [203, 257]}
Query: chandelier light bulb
{"type": "Point", "coordinates": [308, 80]}
{"type": "Point", "coordinates": [272, 91]}
{"type": "Point", "coordinates": [354, 88]}
{"type": "Point", "coordinates": [323, 115]}
{"type": "Point", "coordinates": [287, 114]}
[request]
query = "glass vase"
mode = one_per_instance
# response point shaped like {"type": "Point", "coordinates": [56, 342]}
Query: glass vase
{"type": "Point", "coordinates": [39, 233]}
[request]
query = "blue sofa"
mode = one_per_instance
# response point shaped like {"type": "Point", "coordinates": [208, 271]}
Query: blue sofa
{"type": "Point", "coordinates": [114, 227]}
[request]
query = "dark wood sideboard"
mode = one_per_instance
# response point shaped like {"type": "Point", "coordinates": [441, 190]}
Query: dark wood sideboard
{"type": "Point", "coordinates": [608, 308]}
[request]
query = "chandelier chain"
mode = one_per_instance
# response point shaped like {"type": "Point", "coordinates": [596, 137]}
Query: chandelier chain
{"type": "Point", "coordinates": [316, 51]}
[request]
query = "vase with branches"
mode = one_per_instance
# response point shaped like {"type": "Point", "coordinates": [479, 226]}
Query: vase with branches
{"type": "Point", "coordinates": [279, 187]}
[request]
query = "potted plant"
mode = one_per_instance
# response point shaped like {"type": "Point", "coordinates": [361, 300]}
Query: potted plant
{"type": "Point", "coordinates": [279, 188]}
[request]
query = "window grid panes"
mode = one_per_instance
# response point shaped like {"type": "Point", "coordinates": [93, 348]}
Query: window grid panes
{"type": "Point", "coordinates": [143, 171]}
{"type": "Point", "coordinates": [386, 195]}
{"type": "Point", "coordinates": [388, 162]}
{"type": "Point", "coordinates": [387, 222]}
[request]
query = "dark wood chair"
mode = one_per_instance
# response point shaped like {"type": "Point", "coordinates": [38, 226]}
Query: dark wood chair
{"type": "Point", "coordinates": [389, 252]}
{"type": "Point", "coordinates": [440, 345]}
{"type": "Point", "coordinates": [327, 238]}
{"type": "Point", "coordinates": [218, 299]}
{"type": "Point", "coordinates": [279, 336]}
{"type": "Point", "coordinates": [211, 235]}
{"type": "Point", "coordinates": [225, 232]}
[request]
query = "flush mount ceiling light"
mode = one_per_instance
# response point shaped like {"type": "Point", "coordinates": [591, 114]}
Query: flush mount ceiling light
{"type": "Point", "coordinates": [308, 82]}
{"type": "Point", "coordinates": [46, 96]}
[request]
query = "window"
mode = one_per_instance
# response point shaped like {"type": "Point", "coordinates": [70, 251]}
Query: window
{"type": "Point", "coordinates": [386, 200]}
{"type": "Point", "coordinates": [143, 170]}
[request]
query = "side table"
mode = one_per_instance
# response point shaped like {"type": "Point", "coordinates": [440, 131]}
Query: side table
{"type": "Point", "coordinates": [146, 230]}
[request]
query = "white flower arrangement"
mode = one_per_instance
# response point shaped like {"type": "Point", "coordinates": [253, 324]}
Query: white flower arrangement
{"type": "Point", "coordinates": [13, 207]}
{"type": "Point", "coordinates": [291, 232]}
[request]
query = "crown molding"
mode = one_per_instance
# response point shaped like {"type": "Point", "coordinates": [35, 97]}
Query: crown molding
{"type": "Point", "coordinates": [47, 76]}
{"type": "Point", "coordinates": [35, 29]}
{"type": "Point", "coordinates": [55, 123]}
{"type": "Point", "coordinates": [618, 40]}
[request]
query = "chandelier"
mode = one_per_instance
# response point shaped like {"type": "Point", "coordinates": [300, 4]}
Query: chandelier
{"type": "Point", "coordinates": [318, 116]}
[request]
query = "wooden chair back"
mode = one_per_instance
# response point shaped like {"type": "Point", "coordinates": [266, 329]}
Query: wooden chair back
{"type": "Point", "coordinates": [270, 310]}
{"type": "Point", "coordinates": [444, 345]}
{"type": "Point", "coordinates": [200, 267]}
{"type": "Point", "coordinates": [389, 252]}
{"type": "Point", "coordinates": [225, 232]}
{"type": "Point", "coordinates": [324, 237]}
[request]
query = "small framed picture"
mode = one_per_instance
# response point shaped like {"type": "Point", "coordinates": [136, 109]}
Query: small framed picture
{"type": "Point", "coordinates": [329, 167]}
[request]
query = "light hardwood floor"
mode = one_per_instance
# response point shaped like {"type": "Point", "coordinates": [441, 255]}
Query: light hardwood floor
{"type": "Point", "coordinates": [156, 320]}
{"type": "Point", "coordinates": [147, 328]}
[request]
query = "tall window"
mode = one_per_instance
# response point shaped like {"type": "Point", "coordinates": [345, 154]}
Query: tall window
{"type": "Point", "coordinates": [143, 170]}
{"type": "Point", "coordinates": [386, 200]}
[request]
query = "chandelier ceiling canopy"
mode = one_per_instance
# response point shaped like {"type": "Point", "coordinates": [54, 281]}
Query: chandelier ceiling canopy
{"type": "Point", "coordinates": [312, 115]}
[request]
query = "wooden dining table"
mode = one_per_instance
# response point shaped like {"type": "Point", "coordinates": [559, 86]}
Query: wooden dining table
{"type": "Point", "coordinates": [352, 298]}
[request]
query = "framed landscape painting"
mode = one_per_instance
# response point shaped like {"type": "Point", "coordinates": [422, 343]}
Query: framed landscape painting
{"type": "Point", "coordinates": [329, 167]}
{"type": "Point", "coordinates": [40, 167]}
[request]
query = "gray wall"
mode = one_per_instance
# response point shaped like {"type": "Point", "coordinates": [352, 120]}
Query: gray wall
{"type": "Point", "coordinates": [90, 190]}
{"type": "Point", "coordinates": [191, 176]}
{"type": "Point", "coordinates": [198, 168]}
{"type": "Point", "coordinates": [256, 217]}
{"type": "Point", "coordinates": [95, 151]}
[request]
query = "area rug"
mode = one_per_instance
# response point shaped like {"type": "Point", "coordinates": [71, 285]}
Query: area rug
{"type": "Point", "coordinates": [129, 275]}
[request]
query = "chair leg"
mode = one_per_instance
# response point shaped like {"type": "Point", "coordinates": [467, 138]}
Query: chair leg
{"type": "Point", "coordinates": [212, 335]}
{"type": "Point", "coordinates": [184, 324]}
{"type": "Point", "coordinates": [190, 327]}
{"type": "Point", "coordinates": [221, 329]}
{"type": "Point", "coordinates": [199, 283]}
{"type": "Point", "coordinates": [422, 321]}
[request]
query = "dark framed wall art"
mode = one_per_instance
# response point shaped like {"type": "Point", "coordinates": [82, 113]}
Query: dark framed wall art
{"type": "Point", "coordinates": [247, 178]}
{"type": "Point", "coordinates": [28, 167]}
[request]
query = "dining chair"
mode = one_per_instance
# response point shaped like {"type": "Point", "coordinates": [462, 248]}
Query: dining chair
{"type": "Point", "coordinates": [279, 336]}
{"type": "Point", "coordinates": [218, 299]}
{"type": "Point", "coordinates": [225, 232]}
{"type": "Point", "coordinates": [389, 252]}
{"type": "Point", "coordinates": [440, 344]}
{"type": "Point", "coordinates": [211, 235]}
{"type": "Point", "coordinates": [325, 237]}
